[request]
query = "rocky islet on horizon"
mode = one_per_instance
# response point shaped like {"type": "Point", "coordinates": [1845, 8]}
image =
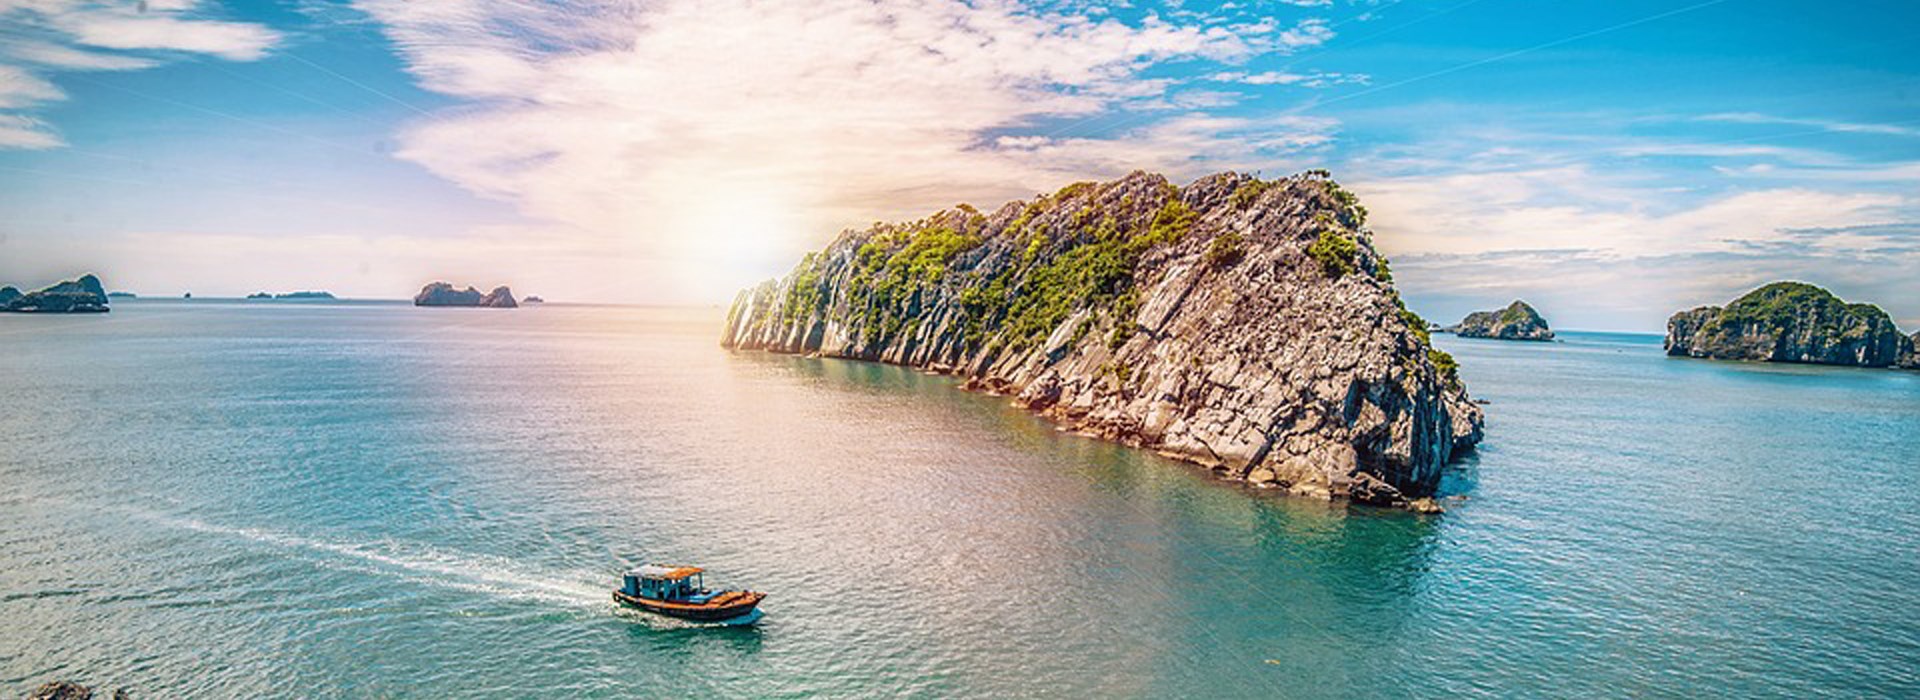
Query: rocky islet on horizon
{"type": "Point", "coordinates": [83, 295]}
{"type": "Point", "coordinates": [1243, 324]}
{"type": "Point", "coordinates": [444, 294]}
{"type": "Point", "coordinates": [1518, 321]}
{"type": "Point", "coordinates": [1792, 322]}
{"type": "Point", "coordinates": [304, 294]}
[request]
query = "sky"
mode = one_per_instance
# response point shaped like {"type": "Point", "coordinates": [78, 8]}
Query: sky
{"type": "Point", "coordinates": [1609, 161]}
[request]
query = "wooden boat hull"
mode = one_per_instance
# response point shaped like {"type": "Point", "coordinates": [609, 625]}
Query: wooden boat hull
{"type": "Point", "coordinates": [728, 605]}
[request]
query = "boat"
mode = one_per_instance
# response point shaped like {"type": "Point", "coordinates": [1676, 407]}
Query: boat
{"type": "Point", "coordinates": [680, 591]}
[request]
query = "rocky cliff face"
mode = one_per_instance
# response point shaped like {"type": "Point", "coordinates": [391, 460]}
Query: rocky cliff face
{"type": "Point", "coordinates": [1788, 322]}
{"type": "Point", "coordinates": [1911, 359]}
{"type": "Point", "coordinates": [499, 298]}
{"type": "Point", "coordinates": [84, 295]}
{"type": "Point", "coordinates": [443, 294]}
{"type": "Point", "coordinates": [1516, 322]}
{"type": "Point", "coordinates": [1242, 324]}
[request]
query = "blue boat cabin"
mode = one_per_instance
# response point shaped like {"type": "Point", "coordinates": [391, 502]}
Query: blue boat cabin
{"type": "Point", "coordinates": [675, 583]}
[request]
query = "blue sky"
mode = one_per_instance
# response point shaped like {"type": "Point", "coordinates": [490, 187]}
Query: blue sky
{"type": "Point", "coordinates": [1609, 161]}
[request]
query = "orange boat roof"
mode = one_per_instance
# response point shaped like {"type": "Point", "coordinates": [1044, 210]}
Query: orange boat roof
{"type": "Point", "coordinates": [669, 573]}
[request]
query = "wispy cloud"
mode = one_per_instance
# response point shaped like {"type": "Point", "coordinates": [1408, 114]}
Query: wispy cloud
{"type": "Point", "coordinates": [21, 131]}
{"type": "Point", "coordinates": [49, 36]}
{"type": "Point", "coordinates": [1614, 249]}
{"type": "Point", "coordinates": [20, 88]}
{"type": "Point", "coordinates": [1820, 124]}
{"type": "Point", "coordinates": [1313, 80]}
{"type": "Point", "coordinates": [704, 129]}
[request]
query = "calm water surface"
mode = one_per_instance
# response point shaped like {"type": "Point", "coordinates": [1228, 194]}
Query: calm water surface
{"type": "Point", "coordinates": [215, 499]}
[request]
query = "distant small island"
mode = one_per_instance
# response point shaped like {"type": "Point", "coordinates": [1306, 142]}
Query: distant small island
{"type": "Point", "coordinates": [1516, 322]}
{"type": "Point", "coordinates": [122, 295]}
{"type": "Point", "coordinates": [84, 295]}
{"type": "Point", "coordinates": [533, 300]}
{"type": "Point", "coordinates": [1792, 322]}
{"type": "Point", "coordinates": [292, 295]}
{"type": "Point", "coordinates": [443, 294]}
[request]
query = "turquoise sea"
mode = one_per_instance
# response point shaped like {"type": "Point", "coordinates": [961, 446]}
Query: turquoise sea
{"type": "Point", "coordinates": [295, 499]}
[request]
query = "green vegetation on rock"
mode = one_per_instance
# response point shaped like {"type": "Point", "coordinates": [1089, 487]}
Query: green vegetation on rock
{"type": "Point", "coordinates": [804, 297]}
{"type": "Point", "coordinates": [1225, 249]}
{"type": "Point", "coordinates": [1780, 305]}
{"type": "Point", "coordinates": [1095, 274]}
{"type": "Point", "coordinates": [1443, 362]}
{"type": "Point", "coordinates": [1349, 204]}
{"type": "Point", "coordinates": [1248, 192]}
{"type": "Point", "coordinates": [1416, 324]}
{"type": "Point", "coordinates": [1789, 322]}
{"type": "Point", "coordinates": [1336, 253]}
{"type": "Point", "coordinates": [1516, 312]}
{"type": "Point", "coordinates": [893, 267]}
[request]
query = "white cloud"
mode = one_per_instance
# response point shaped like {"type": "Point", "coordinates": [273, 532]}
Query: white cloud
{"type": "Point", "coordinates": [696, 130]}
{"type": "Point", "coordinates": [21, 131]}
{"type": "Point", "coordinates": [1609, 251]}
{"type": "Point", "coordinates": [1576, 207]}
{"type": "Point", "coordinates": [19, 88]}
{"type": "Point", "coordinates": [1313, 80]}
{"type": "Point", "coordinates": [230, 40]}
{"type": "Point", "coordinates": [48, 36]}
{"type": "Point", "coordinates": [1309, 33]}
{"type": "Point", "coordinates": [53, 55]}
{"type": "Point", "coordinates": [1820, 124]}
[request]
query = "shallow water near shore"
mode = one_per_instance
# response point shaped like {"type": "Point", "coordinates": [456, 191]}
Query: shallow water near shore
{"type": "Point", "coordinates": [221, 499]}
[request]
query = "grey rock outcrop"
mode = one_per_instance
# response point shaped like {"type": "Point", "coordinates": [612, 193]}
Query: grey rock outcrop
{"type": "Point", "coordinates": [443, 294]}
{"type": "Point", "coordinates": [69, 690]}
{"type": "Point", "coordinates": [1245, 325]}
{"type": "Point", "coordinates": [84, 295]}
{"type": "Point", "coordinates": [1516, 322]}
{"type": "Point", "coordinates": [1789, 322]}
{"type": "Point", "coordinates": [499, 298]}
{"type": "Point", "coordinates": [1911, 359]}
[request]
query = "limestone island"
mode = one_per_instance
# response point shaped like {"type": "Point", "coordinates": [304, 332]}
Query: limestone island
{"type": "Point", "coordinates": [1791, 322]}
{"type": "Point", "coordinates": [1242, 324]}
{"type": "Point", "coordinates": [443, 294]}
{"type": "Point", "coordinates": [533, 300]}
{"type": "Point", "coordinates": [1516, 322]}
{"type": "Point", "coordinates": [84, 295]}
{"type": "Point", "coordinates": [293, 295]}
{"type": "Point", "coordinates": [122, 295]}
